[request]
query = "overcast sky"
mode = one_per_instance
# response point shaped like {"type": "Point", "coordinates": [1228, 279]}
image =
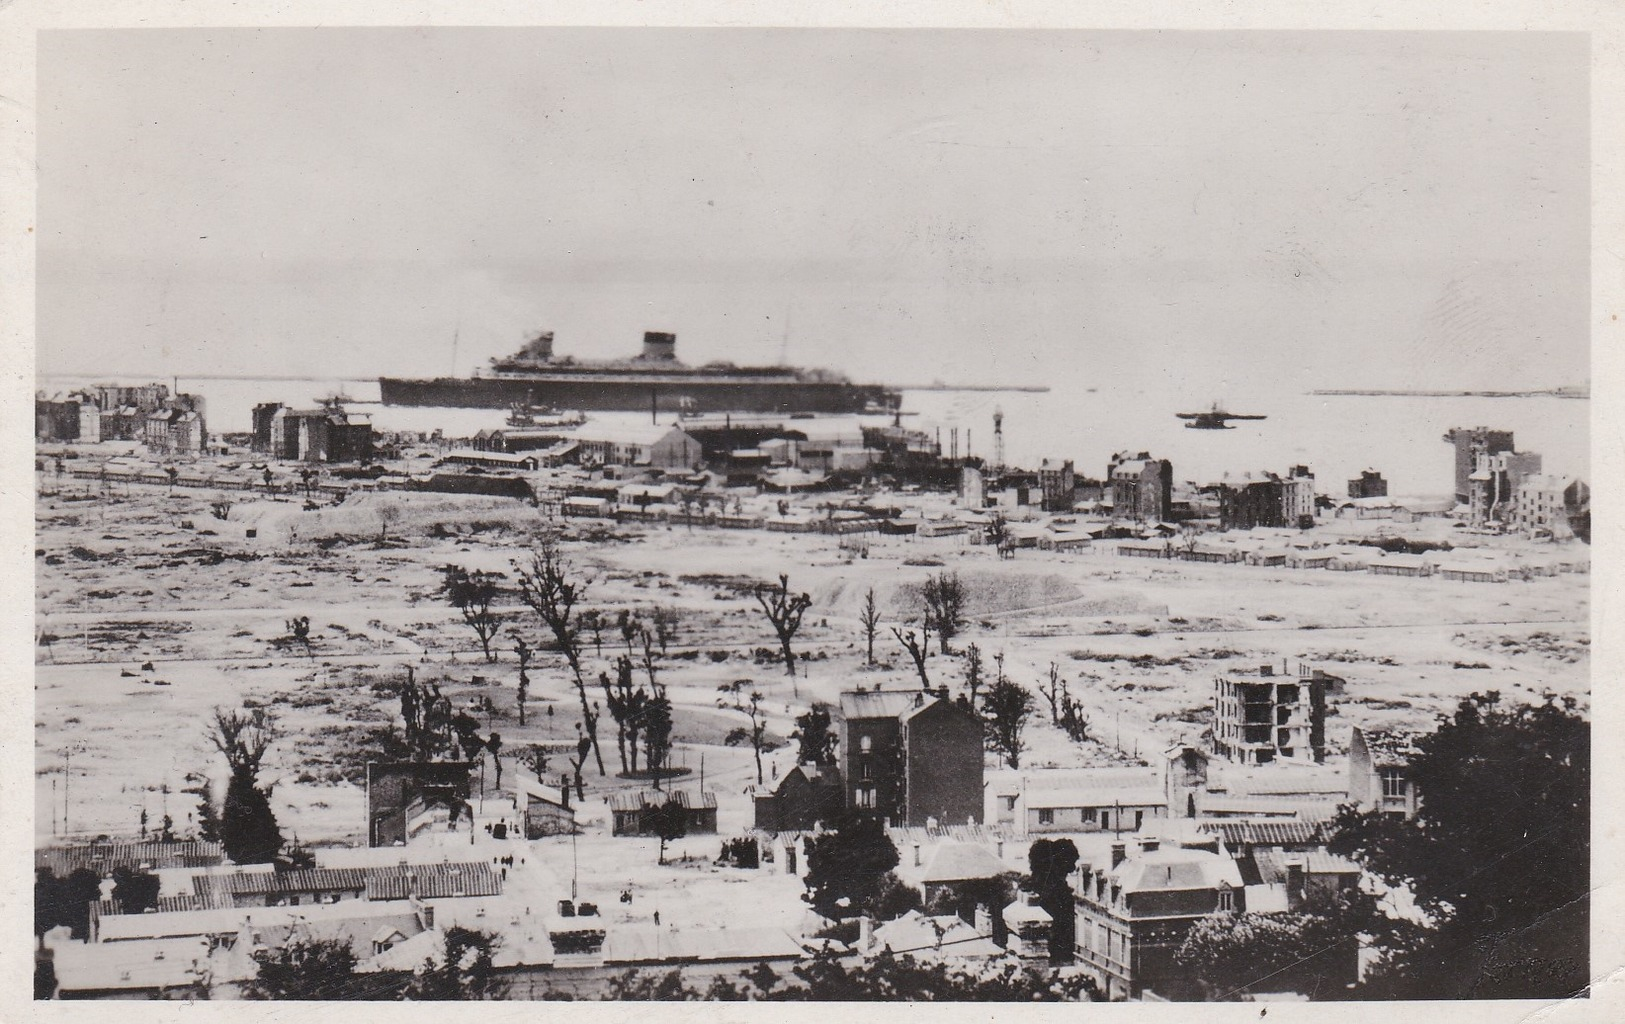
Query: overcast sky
{"type": "Point", "coordinates": [1090, 209]}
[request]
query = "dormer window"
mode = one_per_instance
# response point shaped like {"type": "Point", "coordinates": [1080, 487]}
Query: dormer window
{"type": "Point", "coordinates": [1227, 898]}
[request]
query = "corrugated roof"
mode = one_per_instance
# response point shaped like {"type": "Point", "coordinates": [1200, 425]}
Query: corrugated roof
{"type": "Point", "coordinates": [634, 800]}
{"type": "Point", "coordinates": [271, 883]}
{"type": "Point", "coordinates": [165, 905]}
{"type": "Point", "coordinates": [434, 881]}
{"type": "Point", "coordinates": [103, 857]}
{"type": "Point", "coordinates": [1266, 833]}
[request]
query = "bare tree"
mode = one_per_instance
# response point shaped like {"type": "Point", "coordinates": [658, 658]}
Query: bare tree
{"type": "Point", "coordinates": [1052, 693]}
{"type": "Point", "coordinates": [944, 597]}
{"type": "Point", "coordinates": [629, 626]}
{"type": "Point", "coordinates": [649, 664]}
{"type": "Point", "coordinates": [917, 651]}
{"type": "Point", "coordinates": [546, 587]}
{"type": "Point", "coordinates": [625, 705]}
{"type": "Point", "coordinates": [666, 620]}
{"type": "Point", "coordinates": [1073, 721]}
{"type": "Point", "coordinates": [784, 611]}
{"type": "Point", "coordinates": [523, 652]}
{"type": "Point", "coordinates": [299, 629]}
{"type": "Point", "coordinates": [751, 707]}
{"type": "Point", "coordinates": [870, 617]}
{"type": "Point", "coordinates": [472, 593]}
{"type": "Point", "coordinates": [592, 621]}
{"type": "Point", "coordinates": [584, 744]}
{"type": "Point", "coordinates": [389, 514]}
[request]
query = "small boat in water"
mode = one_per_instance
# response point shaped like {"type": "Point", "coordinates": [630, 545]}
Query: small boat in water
{"type": "Point", "coordinates": [1214, 419]}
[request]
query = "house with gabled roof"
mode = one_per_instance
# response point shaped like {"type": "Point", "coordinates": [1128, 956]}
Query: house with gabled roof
{"type": "Point", "coordinates": [911, 756]}
{"type": "Point", "coordinates": [1379, 771]}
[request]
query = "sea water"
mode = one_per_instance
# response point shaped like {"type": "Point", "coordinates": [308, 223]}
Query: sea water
{"type": "Point", "coordinates": [1335, 436]}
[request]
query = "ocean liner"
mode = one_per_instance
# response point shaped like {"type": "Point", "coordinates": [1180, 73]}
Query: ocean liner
{"type": "Point", "coordinates": [653, 380]}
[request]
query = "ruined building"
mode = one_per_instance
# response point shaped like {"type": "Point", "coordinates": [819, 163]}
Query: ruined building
{"type": "Point", "coordinates": [1261, 716]}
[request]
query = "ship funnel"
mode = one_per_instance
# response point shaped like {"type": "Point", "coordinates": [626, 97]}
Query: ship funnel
{"type": "Point", "coordinates": [659, 345]}
{"type": "Point", "coordinates": [539, 348]}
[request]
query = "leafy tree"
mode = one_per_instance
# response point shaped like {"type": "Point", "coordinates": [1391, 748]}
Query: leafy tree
{"type": "Point", "coordinates": [304, 969]}
{"type": "Point", "coordinates": [1313, 950]}
{"type": "Point", "coordinates": [784, 611]}
{"type": "Point", "coordinates": [1005, 709]}
{"type": "Point", "coordinates": [670, 822]}
{"type": "Point", "coordinates": [817, 741]}
{"type": "Point", "coordinates": [472, 593]}
{"type": "Point", "coordinates": [1050, 863]}
{"type": "Point", "coordinates": [830, 975]}
{"type": "Point", "coordinates": [633, 984]}
{"type": "Point", "coordinates": [464, 969]}
{"type": "Point", "coordinates": [549, 591]}
{"type": "Point", "coordinates": [1498, 855]}
{"type": "Point", "coordinates": [656, 723]}
{"type": "Point", "coordinates": [248, 828]}
{"type": "Point", "coordinates": [47, 902]}
{"type": "Point", "coordinates": [845, 867]}
{"type": "Point", "coordinates": [208, 822]}
{"type": "Point", "coordinates": [895, 898]}
{"type": "Point", "coordinates": [136, 890]}
{"type": "Point", "coordinates": [944, 597]}
{"type": "Point", "coordinates": [870, 617]}
{"type": "Point", "coordinates": [426, 716]}
{"type": "Point", "coordinates": [67, 899]}
{"type": "Point", "coordinates": [973, 671]}
{"type": "Point", "coordinates": [917, 652]}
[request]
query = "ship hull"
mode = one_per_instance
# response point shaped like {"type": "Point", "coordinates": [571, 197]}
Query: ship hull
{"type": "Point", "coordinates": [674, 396]}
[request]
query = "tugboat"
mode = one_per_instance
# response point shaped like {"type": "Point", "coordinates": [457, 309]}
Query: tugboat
{"type": "Point", "coordinates": [1214, 419]}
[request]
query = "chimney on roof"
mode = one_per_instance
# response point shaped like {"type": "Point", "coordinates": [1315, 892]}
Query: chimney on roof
{"type": "Point", "coordinates": [865, 933]}
{"type": "Point", "coordinates": [916, 854]}
{"type": "Point", "coordinates": [1149, 844]}
{"type": "Point", "coordinates": [1119, 851]}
